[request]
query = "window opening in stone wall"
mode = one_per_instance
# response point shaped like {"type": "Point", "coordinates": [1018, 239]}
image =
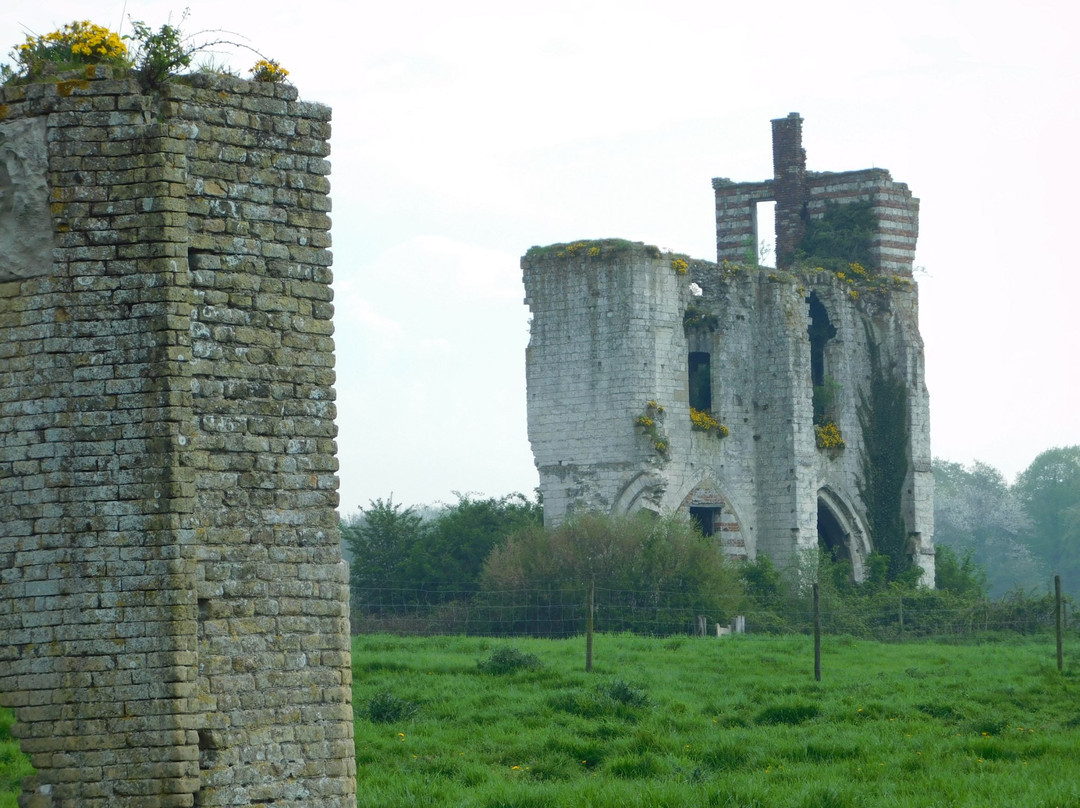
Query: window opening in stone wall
{"type": "Point", "coordinates": [820, 331]}
{"type": "Point", "coordinates": [765, 234]}
{"type": "Point", "coordinates": [700, 377]}
{"type": "Point", "coordinates": [705, 519]}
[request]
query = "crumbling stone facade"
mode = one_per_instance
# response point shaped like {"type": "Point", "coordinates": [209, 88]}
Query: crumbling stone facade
{"type": "Point", "coordinates": [173, 603]}
{"type": "Point", "coordinates": [815, 375]}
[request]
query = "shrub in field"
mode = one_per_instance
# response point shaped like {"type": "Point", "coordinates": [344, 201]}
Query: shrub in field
{"type": "Point", "coordinates": [386, 708]}
{"type": "Point", "coordinates": [508, 660]}
{"type": "Point", "coordinates": [657, 575]}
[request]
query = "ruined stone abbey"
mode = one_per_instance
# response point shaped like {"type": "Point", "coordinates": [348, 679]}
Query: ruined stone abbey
{"type": "Point", "coordinates": [784, 409]}
{"type": "Point", "coordinates": [174, 625]}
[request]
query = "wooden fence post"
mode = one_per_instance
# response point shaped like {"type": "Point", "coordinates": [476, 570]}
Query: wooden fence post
{"type": "Point", "coordinates": [1058, 621]}
{"type": "Point", "coordinates": [817, 637]}
{"type": "Point", "coordinates": [589, 625]}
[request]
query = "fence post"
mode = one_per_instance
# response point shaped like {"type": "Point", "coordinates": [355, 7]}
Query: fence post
{"type": "Point", "coordinates": [589, 625]}
{"type": "Point", "coordinates": [901, 617]}
{"type": "Point", "coordinates": [1058, 621]}
{"type": "Point", "coordinates": [817, 637]}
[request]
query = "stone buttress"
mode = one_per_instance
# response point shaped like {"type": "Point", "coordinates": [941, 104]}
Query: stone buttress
{"type": "Point", "coordinates": [173, 603]}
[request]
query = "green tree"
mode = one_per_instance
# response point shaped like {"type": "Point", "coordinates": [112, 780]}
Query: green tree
{"type": "Point", "coordinates": [976, 513]}
{"type": "Point", "coordinates": [381, 541]}
{"type": "Point", "coordinates": [1050, 490]}
{"type": "Point", "coordinates": [958, 574]}
{"type": "Point", "coordinates": [450, 554]}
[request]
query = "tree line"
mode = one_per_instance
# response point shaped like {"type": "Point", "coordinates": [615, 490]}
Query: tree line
{"type": "Point", "coordinates": [1010, 538]}
{"type": "Point", "coordinates": [993, 539]}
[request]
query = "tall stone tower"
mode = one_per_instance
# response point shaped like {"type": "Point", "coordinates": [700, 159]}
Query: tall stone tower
{"type": "Point", "coordinates": [173, 603]}
{"type": "Point", "coordinates": [784, 409]}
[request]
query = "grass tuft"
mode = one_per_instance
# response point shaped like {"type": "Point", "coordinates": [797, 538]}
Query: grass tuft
{"type": "Point", "coordinates": [509, 660]}
{"type": "Point", "coordinates": [386, 708]}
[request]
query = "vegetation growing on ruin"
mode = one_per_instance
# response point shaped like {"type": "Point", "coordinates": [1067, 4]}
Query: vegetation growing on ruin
{"type": "Point", "coordinates": [841, 236]}
{"type": "Point", "coordinates": [697, 318]}
{"type": "Point", "coordinates": [828, 436]}
{"type": "Point", "coordinates": [882, 415]}
{"type": "Point", "coordinates": [704, 422]}
{"type": "Point", "coordinates": [651, 422]}
{"type": "Point", "coordinates": [607, 247]}
{"type": "Point", "coordinates": [154, 56]}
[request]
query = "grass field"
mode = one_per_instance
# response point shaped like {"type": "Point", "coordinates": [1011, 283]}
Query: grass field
{"type": "Point", "coordinates": [695, 722]}
{"type": "Point", "coordinates": [705, 722]}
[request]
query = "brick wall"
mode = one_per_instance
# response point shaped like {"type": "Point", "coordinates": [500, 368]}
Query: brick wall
{"type": "Point", "coordinates": [172, 600]}
{"type": "Point", "coordinates": [800, 194]}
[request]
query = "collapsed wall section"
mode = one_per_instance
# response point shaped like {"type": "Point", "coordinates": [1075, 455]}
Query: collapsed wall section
{"type": "Point", "coordinates": [172, 600]}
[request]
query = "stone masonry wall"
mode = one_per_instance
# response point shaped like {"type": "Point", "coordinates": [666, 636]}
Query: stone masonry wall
{"type": "Point", "coordinates": [608, 335]}
{"type": "Point", "coordinates": [173, 605]}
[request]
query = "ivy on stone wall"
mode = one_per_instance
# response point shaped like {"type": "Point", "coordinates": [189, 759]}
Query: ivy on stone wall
{"type": "Point", "coordinates": [842, 236]}
{"type": "Point", "coordinates": [883, 418]}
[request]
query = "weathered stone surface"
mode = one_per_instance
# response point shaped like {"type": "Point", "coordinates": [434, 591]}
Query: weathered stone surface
{"type": "Point", "coordinates": [173, 604]}
{"type": "Point", "coordinates": [26, 231]}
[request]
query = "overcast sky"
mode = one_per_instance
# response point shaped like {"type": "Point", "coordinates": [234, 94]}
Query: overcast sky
{"type": "Point", "coordinates": [466, 132]}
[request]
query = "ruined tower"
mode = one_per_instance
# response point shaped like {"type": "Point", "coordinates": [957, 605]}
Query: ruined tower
{"type": "Point", "coordinates": [173, 603]}
{"type": "Point", "coordinates": [784, 408]}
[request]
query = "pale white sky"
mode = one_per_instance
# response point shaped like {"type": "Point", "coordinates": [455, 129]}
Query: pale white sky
{"type": "Point", "coordinates": [466, 132]}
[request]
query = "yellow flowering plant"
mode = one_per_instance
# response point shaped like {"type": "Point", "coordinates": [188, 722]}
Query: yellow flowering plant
{"type": "Point", "coordinates": [651, 422]}
{"type": "Point", "coordinates": [704, 422]}
{"type": "Point", "coordinates": [828, 436]}
{"type": "Point", "coordinates": [270, 71]}
{"type": "Point", "coordinates": [77, 43]}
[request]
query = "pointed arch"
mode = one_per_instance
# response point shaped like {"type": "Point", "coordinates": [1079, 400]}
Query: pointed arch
{"type": "Point", "coordinates": [707, 504]}
{"type": "Point", "coordinates": [842, 531]}
{"type": "Point", "coordinates": [634, 495]}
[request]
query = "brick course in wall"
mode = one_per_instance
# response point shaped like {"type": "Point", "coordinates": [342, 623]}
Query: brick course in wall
{"type": "Point", "coordinates": [173, 604]}
{"type": "Point", "coordinates": [800, 194]}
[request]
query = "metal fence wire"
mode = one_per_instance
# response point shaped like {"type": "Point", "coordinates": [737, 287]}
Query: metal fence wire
{"type": "Point", "coordinates": [562, 611]}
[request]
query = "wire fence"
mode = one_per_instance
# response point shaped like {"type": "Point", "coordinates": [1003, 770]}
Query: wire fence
{"type": "Point", "coordinates": [563, 612]}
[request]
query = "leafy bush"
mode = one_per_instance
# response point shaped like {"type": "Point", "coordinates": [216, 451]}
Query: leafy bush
{"type": "Point", "coordinates": [509, 660]}
{"type": "Point", "coordinates": [657, 575]}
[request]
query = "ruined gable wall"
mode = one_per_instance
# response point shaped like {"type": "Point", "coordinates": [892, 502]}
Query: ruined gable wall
{"type": "Point", "coordinates": [172, 600]}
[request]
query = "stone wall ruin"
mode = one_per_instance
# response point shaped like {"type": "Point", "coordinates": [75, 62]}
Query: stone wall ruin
{"type": "Point", "coordinates": [627, 342]}
{"type": "Point", "coordinates": [173, 603]}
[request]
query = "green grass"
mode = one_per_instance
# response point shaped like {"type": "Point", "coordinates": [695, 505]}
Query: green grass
{"type": "Point", "coordinates": [738, 722]}
{"type": "Point", "coordinates": [704, 722]}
